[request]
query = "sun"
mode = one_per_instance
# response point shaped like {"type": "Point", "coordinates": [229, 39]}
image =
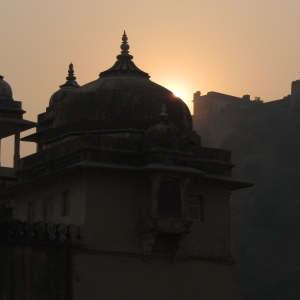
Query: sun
{"type": "Point", "coordinates": [177, 93]}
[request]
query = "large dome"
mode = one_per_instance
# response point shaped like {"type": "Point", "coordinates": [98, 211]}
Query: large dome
{"type": "Point", "coordinates": [122, 92]}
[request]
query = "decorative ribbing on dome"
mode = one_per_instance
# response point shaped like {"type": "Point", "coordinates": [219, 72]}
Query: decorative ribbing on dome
{"type": "Point", "coordinates": [124, 66]}
{"type": "Point", "coordinates": [71, 79]}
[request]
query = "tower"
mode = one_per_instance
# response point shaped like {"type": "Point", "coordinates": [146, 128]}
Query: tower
{"type": "Point", "coordinates": [119, 158]}
{"type": "Point", "coordinates": [295, 95]}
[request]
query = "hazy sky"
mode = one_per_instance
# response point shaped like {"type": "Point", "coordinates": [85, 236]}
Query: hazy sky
{"type": "Point", "coordinates": [234, 47]}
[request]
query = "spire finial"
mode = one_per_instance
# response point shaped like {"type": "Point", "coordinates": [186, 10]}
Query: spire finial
{"type": "Point", "coordinates": [71, 79]}
{"type": "Point", "coordinates": [1, 77]}
{"type": "Point", "coordinates": [124, 66]}
{"type": "Point", "coordinates": [71, 73]}
{"type": "Point", "coordinates": [163, 111]}
{"type": "Point", "coordinates": [124, 46]}
{"type": "Point", "coordinates": [163, 114]}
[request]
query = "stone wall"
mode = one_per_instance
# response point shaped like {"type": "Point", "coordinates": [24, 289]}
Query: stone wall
{"type": "Point", "coordinates": [30, 273]}
{"type": "Point", "coordinates": [36, 260]}
{"type": "Point", "coordinates": [5, 213]}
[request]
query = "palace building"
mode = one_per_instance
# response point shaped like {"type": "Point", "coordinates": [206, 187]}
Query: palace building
{"type": "Point", "coordinates": [120, 200]}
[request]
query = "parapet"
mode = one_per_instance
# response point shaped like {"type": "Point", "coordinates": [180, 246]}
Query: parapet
{"type": "Point", "coordinates": [197, 96]}
{"type": "Point", "coordinates": [39, 233]}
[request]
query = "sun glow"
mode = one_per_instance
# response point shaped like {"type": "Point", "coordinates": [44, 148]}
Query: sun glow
{"type": "Point", "coordinates": [178, 94]}
{"type": "Point", "coordinates": [182, 90]}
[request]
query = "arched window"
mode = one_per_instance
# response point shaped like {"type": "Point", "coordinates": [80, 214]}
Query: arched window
{"type": "Point", "coordinates": [169, 199]}
{"type": "Point", "coordinates": [194, 208]}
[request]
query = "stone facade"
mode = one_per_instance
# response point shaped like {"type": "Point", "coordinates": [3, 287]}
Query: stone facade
{"type": "Point", "coordinates": [127, 168]}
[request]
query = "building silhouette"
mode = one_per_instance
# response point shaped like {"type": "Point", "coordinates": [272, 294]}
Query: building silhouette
{"type": "Point", "coordinates": [216, 115]}
{"type": "Point", "coordinates": [121, 200]}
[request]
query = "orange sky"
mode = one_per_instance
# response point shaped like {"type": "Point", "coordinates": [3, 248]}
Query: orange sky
{"type": "Point", "coordinates": [235, 47]}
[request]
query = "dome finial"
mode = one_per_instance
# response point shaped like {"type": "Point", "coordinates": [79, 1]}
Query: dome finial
{"type": "Point", "coordinates": [71, 83]}
{"type": "Point", "coordinates": [124, 66]}
{"type": "Point", "coordinates": [71, 73]}
{"type": "Point", "coordinates": [163, 113]}
{"type": "Point", "coordinates": [124, 46]}
{"type": "Point", "coordinates": [1, 77]}
{"type": "Point", "coordinates": [163, 126]}
{"type": "Point", "coordinates": [71, 79]}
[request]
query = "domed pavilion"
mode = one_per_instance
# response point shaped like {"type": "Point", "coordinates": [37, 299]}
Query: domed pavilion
{"type": "Point", "coordinates": [119, 158]}
{"type": "Point", "coordinates": [123, 98]}
{"type": "Point", "coordinates": [11, 122]}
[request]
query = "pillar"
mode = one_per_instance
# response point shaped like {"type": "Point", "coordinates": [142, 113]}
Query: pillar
{"type": "Point", "coordinates": [17, 150]}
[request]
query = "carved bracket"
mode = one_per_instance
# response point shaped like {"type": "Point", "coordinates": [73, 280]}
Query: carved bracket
{"type": "Point", "coordinates": [177, 228]}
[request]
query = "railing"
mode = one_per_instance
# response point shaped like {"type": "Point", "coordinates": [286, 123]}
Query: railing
{"type": "Point", "coordinates": [17, 231]}
{"type": "Point", "coordinates": [116, 143]}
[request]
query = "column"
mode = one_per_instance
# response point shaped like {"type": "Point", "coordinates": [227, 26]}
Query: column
{"type": "Point", "coordinates": [17, 150]}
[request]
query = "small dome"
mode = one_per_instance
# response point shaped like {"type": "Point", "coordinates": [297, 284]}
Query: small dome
{"type": "Point", "coordinates": [164, 127]}
{"type": "Point", "coordinates": [5, 89]}
{"type": "Point", "coordinates": [65, 89]}
{"type": "Point", "coordinates": [59, 95]}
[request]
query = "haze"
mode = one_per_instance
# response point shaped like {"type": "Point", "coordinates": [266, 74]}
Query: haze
{"type": "Point", "coordinates": [235, 47]}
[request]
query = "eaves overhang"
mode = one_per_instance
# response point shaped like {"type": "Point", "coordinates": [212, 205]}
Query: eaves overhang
{"type": "Point", "coordinates": [35, 137]}
{"type": "Point", "coordinates": [59, 175]}
{"type": "Point", "coordinates": [10, 126]}
{"type": "Point", "coordinates": [65, 173]}
{"type": "Point", "coordinates": [234, 184]}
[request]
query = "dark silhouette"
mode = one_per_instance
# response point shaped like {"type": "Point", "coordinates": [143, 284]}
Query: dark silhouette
{"type": "Point", "coordinates": [265, 144]}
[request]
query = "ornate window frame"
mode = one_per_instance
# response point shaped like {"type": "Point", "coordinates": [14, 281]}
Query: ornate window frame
{"type": "Point", "coordinates": [153, 224]}
{"type": "Point", "coordinates": [169, 205]}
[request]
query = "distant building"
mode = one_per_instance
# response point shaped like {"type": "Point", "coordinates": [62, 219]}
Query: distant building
{"type": "Point", "coordinates": [214, 104]}
{"type": "Point", "coordinates": [118, 159]}
{"type": "Point", "coordinates": [215, 113]}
